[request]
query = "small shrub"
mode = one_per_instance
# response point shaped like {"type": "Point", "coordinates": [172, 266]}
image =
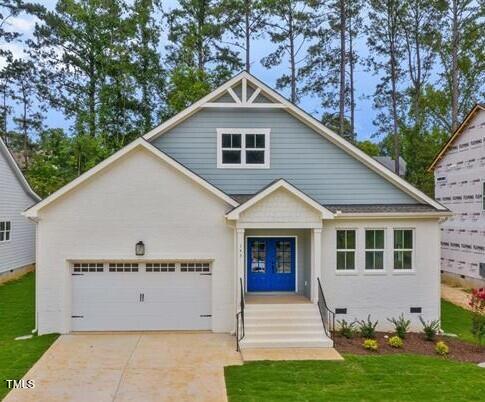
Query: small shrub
{"type": "Point", "coordinates": [401, 325]}
{"type": "Point", "coordinates": [395, 342]}
{"type": "Point", "coordinates": [346, 329]}
{"type": "Point", "coordinates": [367, 328]}
{"type": "Point", "coordinates": [477, 304]}
{"type": "Point", "coordinates": [430, 328]}
{"type": "Point", "coordinates": [441, 348]}
{"type": "Point", "coordinates": [371, 344]}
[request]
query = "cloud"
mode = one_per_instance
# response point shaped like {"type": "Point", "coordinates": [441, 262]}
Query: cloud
{"type": "Point", "coordinates": [24, 25]}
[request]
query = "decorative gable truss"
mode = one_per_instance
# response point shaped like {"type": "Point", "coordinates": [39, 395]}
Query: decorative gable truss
{"type": "Point", "coordinates": [244, 95]}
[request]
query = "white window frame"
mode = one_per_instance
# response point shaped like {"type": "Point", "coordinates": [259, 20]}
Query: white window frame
{"type": "Point", "coordinates": [243, 132]}
{"type": "Point", "coordinates": [412, 250]}
{"type": "Point", "coordinates": [483, 195]}
{"type": "Point", "coordinates": [383, 250]}
{"type": "Point", "coordinates": [5, 231]}
{"type": "Point", "coordinates": [337, 250]}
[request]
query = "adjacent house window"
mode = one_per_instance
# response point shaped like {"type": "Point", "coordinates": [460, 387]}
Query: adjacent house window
{"type": "Point", "coordinates": [374, 249]}
{"type": "Point", "coordinates": [403, 249]}
{"type": "Point", "coordinates": [483, 195]}
{"type": "Point", "coordinates": [5, 228]}
{"type": "Point", "coordinates": [345, 250]}
{"type": "Point", "coordinates": [243, 148]}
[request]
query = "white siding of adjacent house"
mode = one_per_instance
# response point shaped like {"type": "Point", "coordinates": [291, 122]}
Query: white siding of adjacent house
{"type": "Point", "coordinates": [459, 177]}
{"type": "Point", "coordinates": [136, 198]}
{"type": "Point", "coordinates": [389, 293]}
{"type": "Point", "coordinates": [20, 250]}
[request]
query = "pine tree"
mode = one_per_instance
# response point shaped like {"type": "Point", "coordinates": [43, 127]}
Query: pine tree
{"type": "Point", "coordinates": [290, 27]}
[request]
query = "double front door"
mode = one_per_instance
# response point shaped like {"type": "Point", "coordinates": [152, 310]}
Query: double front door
{"type": "Point", "coordinates": [271, 263]}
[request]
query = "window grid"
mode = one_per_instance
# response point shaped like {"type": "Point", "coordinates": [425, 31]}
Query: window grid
{"type": "Point", "coordinates": [160, 267]}
{"type": "Point", "coordinates": [123, 267]}
{"type": "Point", "coordinates": [88, 267]}
{"type": "Point", "coordinates": [243, 148]}
{"type": "Point", "coordinates": [195, 267]}
{"type": "Point", "coordinates": [403, 249]}
{"type": "Point", "coordinates": [346, 250]}
{"type": "Point", "coordinates": [5, 230]}
{"type": "Point", "coordinates": [374, 249]}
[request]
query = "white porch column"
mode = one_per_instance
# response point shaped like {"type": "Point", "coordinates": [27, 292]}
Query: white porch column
{"type": "Point", "coordinates": [240, 262]}
{"type": "Point", "coordinates": [316, 265]}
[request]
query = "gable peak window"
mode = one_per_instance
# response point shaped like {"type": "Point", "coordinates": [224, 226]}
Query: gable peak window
{"type": "Point", "coordinates": [243, 148]}
{"type": "Point", "coordinates": [5, 228]}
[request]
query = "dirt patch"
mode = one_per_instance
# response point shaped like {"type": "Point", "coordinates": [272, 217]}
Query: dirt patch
{"type": "Point", "coordinates": [455, 295]}
{"type": "Point", "coordinates": [414, 343]}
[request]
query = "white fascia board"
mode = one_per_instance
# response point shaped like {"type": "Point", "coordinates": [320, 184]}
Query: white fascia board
{"type": "Point", "coordinates": [32, 212]}
{"type": "Point", "coordinates": [18, 173]}
{"type": "Point", "coordinates": [304, 117]}
{"type": "Point", "coordinates": [235, 213]}
{"type": "Point", "coordinates": [395, 215]}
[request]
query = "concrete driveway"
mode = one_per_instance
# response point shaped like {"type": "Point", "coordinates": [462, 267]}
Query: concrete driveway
{"type": "Point", "coordinates": [132, 367]}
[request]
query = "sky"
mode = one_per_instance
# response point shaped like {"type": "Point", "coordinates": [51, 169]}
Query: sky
{"type": "Point", "coordinates": [365, 82]}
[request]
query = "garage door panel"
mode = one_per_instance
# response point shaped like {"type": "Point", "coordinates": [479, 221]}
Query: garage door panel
{"type": "Point", "coordinates": [141, 300]}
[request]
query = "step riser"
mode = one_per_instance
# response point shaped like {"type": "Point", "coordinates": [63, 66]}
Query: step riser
{"type": "Point", "coordinates": [286, 344]}
{"type": "Point", "coordinates": [283, 328]}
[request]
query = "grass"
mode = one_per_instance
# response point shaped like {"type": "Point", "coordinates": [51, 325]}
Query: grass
{"type": "Point", "coordinates": [358, 378]}
{"type": "Point", "coordinates": [17, 309]}
{"type": "Point", "coordinates": [456, 320]}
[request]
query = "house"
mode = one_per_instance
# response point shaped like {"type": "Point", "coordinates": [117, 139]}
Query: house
{"type": "Point", "coordinates": [389, 163]}
{"type": "Point", "coordinates": [459, 170]}
{"type": "Point", "coordinates": [241, 194]}
{"type": "Point", "coordinates": [17, 233]}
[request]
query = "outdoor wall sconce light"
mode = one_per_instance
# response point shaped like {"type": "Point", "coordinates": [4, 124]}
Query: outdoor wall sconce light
{"type": "Point", "coordinates": [140, 248]}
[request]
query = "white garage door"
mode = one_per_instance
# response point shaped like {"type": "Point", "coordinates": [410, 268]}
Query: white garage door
{"type": "Point", "coordinates": [134, 296]}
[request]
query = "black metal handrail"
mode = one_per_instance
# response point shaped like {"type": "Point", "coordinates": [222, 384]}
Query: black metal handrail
{"type": "Point", "coordinates": [240, 317]}
{"type": "Point", "coordinates": [328, 316]}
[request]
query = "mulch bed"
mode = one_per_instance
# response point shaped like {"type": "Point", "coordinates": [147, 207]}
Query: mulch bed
{"type": "Point", "coordinates": [414, 343]}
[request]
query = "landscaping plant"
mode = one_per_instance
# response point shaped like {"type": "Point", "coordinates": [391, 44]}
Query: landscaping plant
{"type": "Point", "coordinates": [441, 348]}
{"type": "Point", "coordinates": [401, 325]}
{"type": "Point", "coordinates": [371, 344]}
{"type": "Point", "coordinates": [395, 342]}
{"type": "Point", "coordinates": [477, 304]}
{"type": "Point", "coordinates": [346, 329]}
{"type": "Point", "coordinates": [367, 328]}
{"type": "Point", "coordinates": [430, 328]}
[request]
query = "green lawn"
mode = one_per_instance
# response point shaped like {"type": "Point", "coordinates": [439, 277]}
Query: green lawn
{"type": "Point", "coordinates": [16, 319]}
{"type": "Point", "coordinates": [358, 378]}
{"type": "Point", "coordinates": [456, 320]}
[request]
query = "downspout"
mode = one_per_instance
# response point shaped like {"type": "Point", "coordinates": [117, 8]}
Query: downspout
{"type": "Point", "coordinates": [36, 222]}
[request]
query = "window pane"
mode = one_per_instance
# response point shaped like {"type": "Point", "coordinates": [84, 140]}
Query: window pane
{"type": "Point", "coordinates": [236, 140]}
{"type": "Point", "coordinates": [398, 243]}
{"type": "Point", "coordinates": [258, 256]}
{"type": "Point", "coordinates": [260, 141]}
{"type": "Point", "coordinates": [340, 239]}
{"type": "Point", "coordinates": [397, 259]}
{"type": "Point", "coordinates": [226, 140]}
{"type": "Point", "coordinates": [7, 225]}
{"type": "Point", "coordinates": [351, 239]}
{"type": "Point", "coordinates": [1, 236]}
{"type": "Point", "coordinates": [350, 260]}
{"type": "Point", "coordinates": [255, 157]}
{"type": "Point", "coordinates": [379, 239]}
{"type": "Point", "coordinates": [408, 238]}
{"type": "Point", "coordinates": [369, 260]}
{"type": "Point", "coordinates": [378, 260]}
{"type": "Point", "coordinates": [340, 260]}
{"type": "Point", "coordinates": [7, 236]}
{"type": "Point", "coordinates": [407, 260]}
{"type": "Point", "coordinates": [231, 157]}
{"type": "Point", "coordinates": [250, 141]}
{"type": "Point", "coordinates": [369, 239]}
{"type": "Point", "coordinates": [2, 226]}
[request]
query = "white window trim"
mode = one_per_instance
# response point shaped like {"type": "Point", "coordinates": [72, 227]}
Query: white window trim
{"type": "Point", "coordinates": [6, 231]}
{"type": "Point", "coordinates": [376, 271]}
{"type": "Point", "coordinates": [243, 132]}
{"type": "Point", "coordinates": [413, 252]}
{"type": "Point", "coordinates": [346, 271]}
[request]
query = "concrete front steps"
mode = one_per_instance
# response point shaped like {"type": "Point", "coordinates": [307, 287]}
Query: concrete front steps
{"type": "Point", "coordinates": [284, 326]}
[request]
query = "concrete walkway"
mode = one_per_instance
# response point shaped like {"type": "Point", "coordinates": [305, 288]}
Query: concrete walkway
{"type": "Point", "coordinates": [132, 367]}
{"type": "Point", "coordinates": [455, 295]}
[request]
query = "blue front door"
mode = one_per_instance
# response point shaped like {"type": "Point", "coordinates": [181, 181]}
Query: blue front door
{"type": "Point", "coordinates": [271, 264]}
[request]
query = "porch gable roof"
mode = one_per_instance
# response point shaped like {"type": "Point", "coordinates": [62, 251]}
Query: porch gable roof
{"type": "Point", "coordinates": [270, 189]}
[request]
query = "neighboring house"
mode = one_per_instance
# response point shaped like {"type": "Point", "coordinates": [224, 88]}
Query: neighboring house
{"type": "Point", "coordinates": [17, 233]}
{"type": "Point", "coordinates": [388, 162]}
{"type": "Point", "coordinates": [240, 190]}
{"type": "Point", "coordinates": [459, 170]}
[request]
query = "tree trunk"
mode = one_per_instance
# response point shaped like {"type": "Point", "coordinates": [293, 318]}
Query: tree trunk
{"type": "Point", "coordinates": [24, 129]}
{"type": "Point", "coordinates": [247, 35]}
{"type": "Point", "coordinates": [146, 106]}
{"type": "Point", "coordinates": [394, 108]}
{"type": "Point", "coordinates": [200, 42]}
{"type": "Point", "coordinates": [342, 69]}
{"type": "Point", "coordinates": [351, 80]}
{"type": "Point", "coordinates": [92, 97]}
{"type": "Point", "coordinates": [454, 67]}
{"type": "Point", "coordinates": [292, 56]}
